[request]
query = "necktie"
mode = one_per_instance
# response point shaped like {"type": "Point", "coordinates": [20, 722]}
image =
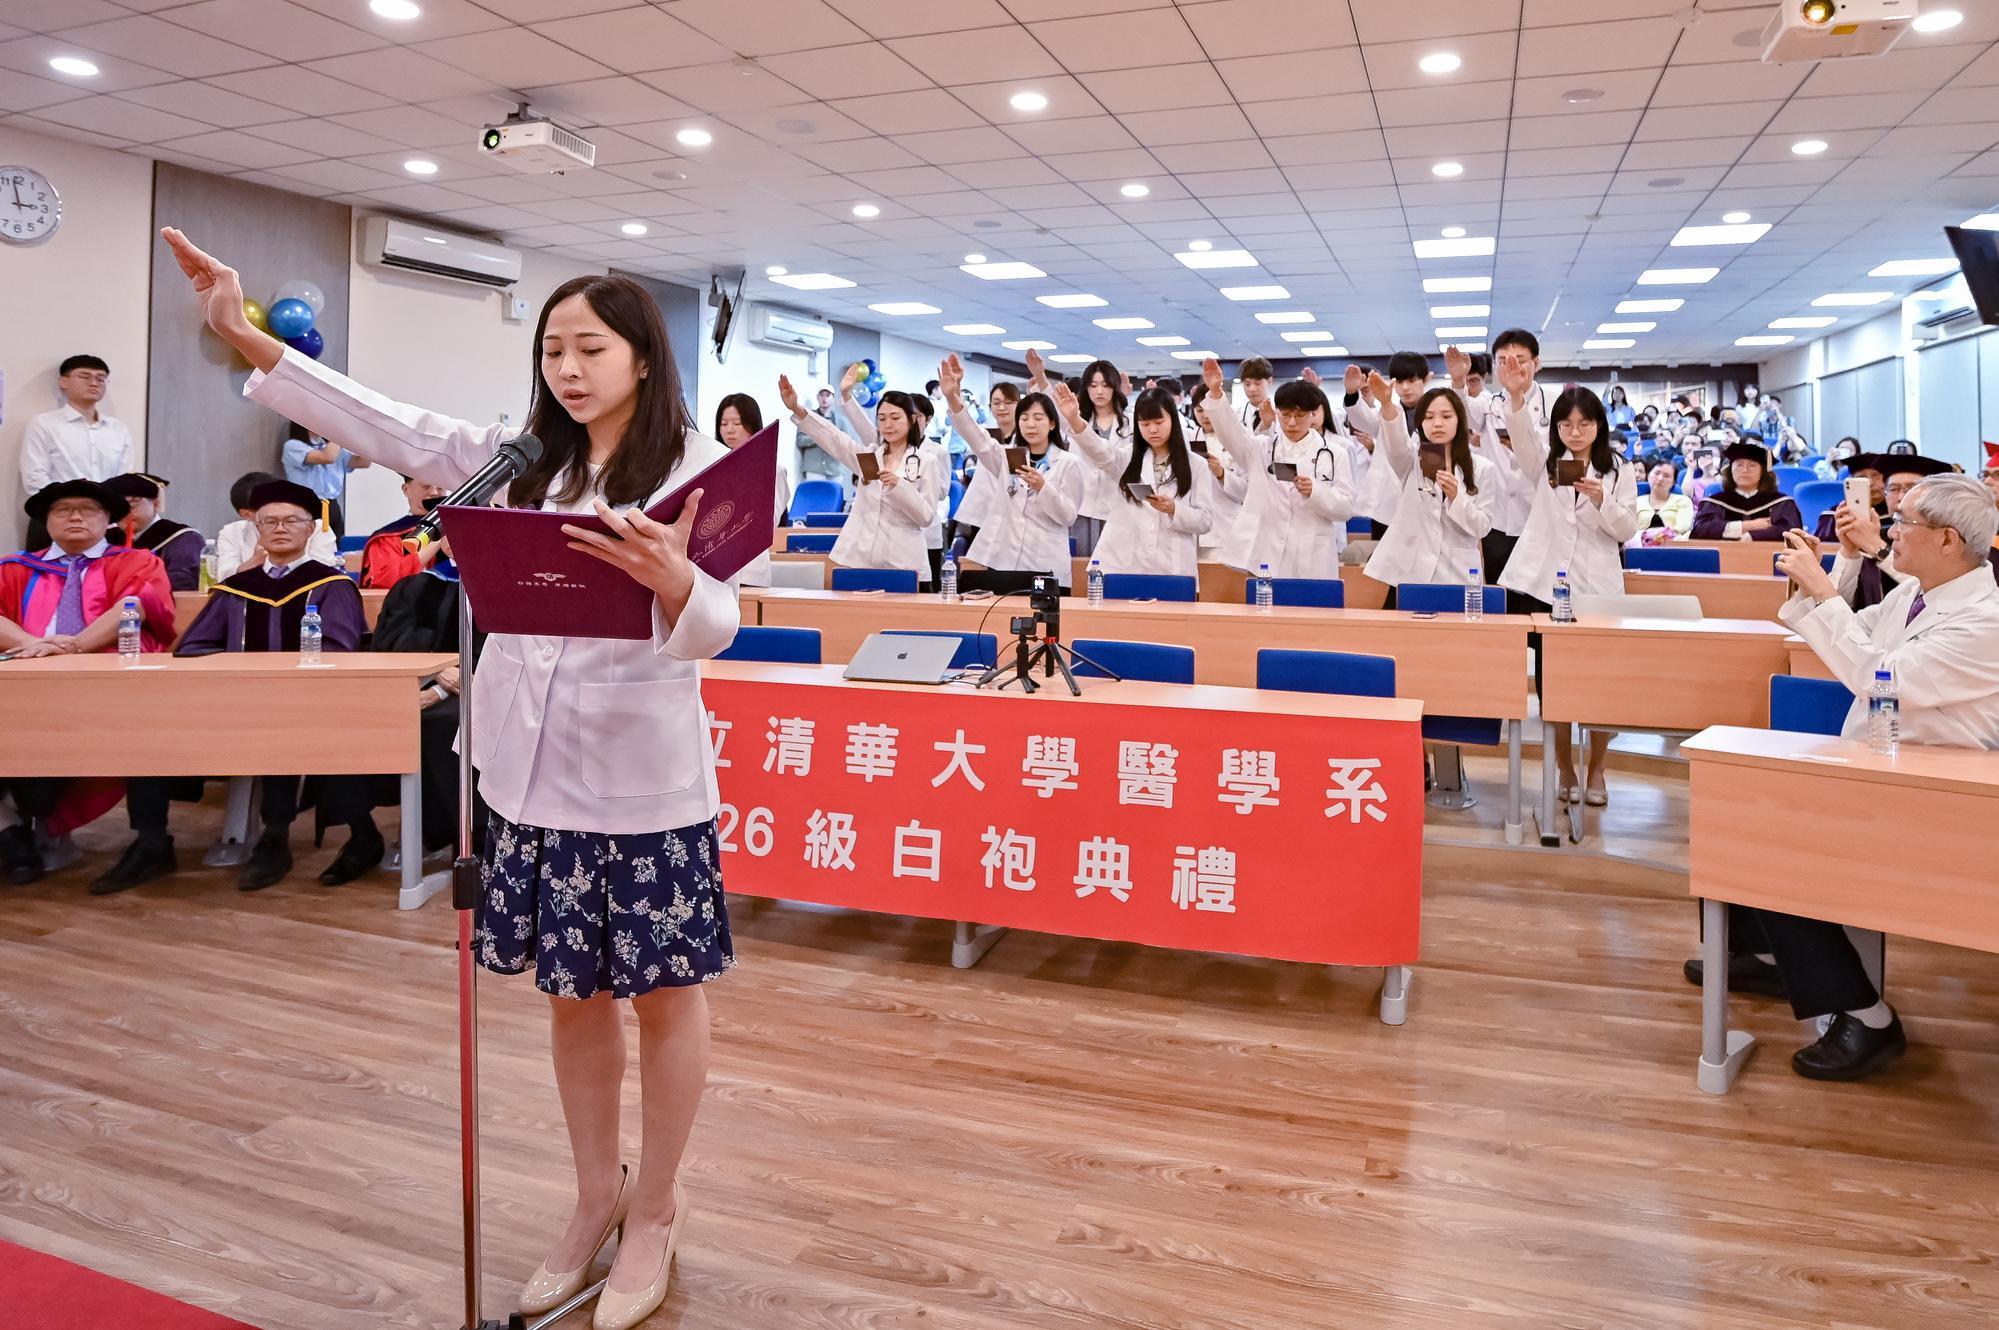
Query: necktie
{"type": "Point", "coordinates": [69, 610]}
{"type": "Point", "coordinates": [1914, 609]}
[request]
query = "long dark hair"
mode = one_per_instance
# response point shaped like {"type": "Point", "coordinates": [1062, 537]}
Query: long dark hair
{"type": "Point", "coordinates": [656, 438]}
{"type": "Point", "coordinates": [1046, 403]}
{"type": "Point", "coordinates": [1460, 445]}
{"type": "Point", "coordinates": [1602, 457]}
{"type": "Point", "coordinates": [1152, 404]}
{"type": "Point", "coordinates": [747, 411]}
{"type": "Point", "coordinates": [1111, 379]}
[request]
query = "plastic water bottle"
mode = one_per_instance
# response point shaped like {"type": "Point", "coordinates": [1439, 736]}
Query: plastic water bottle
{"type": "Point", "coordinates": [1096, 584]}
{"type": "Point", "coordinates": [1474, 595]}
{"type": "Point", "coordinates": [128, 630]}
{"type": "Point", "coordinates": [949, 577]}
{"type": "Point", "coordinates": [1266, 590]}
{"type": "Point", "coordinates": [1564, 606]}
{"type": "Point", "coordinates": [310, 635]}
{"type": "Point", "coordinates": [1884, 715]}
{"type": "Point", "coordinates": [211, 557]}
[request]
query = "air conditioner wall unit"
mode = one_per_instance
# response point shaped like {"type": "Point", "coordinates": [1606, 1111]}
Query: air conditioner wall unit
{"type": "Point", "coordinates": [392, 242]}
{"type": "Point", "coordinates": [770, 326]}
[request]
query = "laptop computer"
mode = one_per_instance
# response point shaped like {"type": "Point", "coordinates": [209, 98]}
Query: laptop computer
{"type": "Point", "coordinates": [915, 659]}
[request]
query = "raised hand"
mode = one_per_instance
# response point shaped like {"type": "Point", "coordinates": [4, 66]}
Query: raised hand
{"type": "Point", "coordinates": [1037, 369]}
{"type": "Point", "coordinates": [951, 376]}
{"type": "Point", "coordinates": [789, 396]}
{"type": "Point", "coordinates": [1211, 376]}
{"type": "Point", "coordinates": [220, 292]}
{"type": "Point", "coordinates": [1457, 364]}
{"type": "Point", "coordinates": [1517, 377]}
{"type": "Point", "coordinates": [1071, 409]}
{"type": "Point", "coordinates": [1124, 383]}
{"type": "Point", "coordinates": [849, 379]}
{"type": "Point", "coordinates": [1354, 379]}
{"type": "Point", "coordinates": [1311, 376]}
{"type": "Point", "coordinates": [1266, 415]}
{"type": "Point", "coordinates": [1378, 388]}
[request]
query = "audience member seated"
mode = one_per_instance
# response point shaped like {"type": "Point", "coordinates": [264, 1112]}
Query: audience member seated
{"type": "Point", "coordinates": [75, 441]}
{"type": "Point", "coordinates": [237, 546]}
{"type": "Point", "coordinates": [178, 545]}
{"type": "Point", "coordinates": [1864, 570]}
{"type": "Point", "coordinates": [1939, 633]}
{"type": "Point", "coordinates": [1748, 506]}
{"type": "Point", "coordinates": [260, 609]}
{"type": "Point", "coordinates": [1662, 514]}
{"type": "Point", "coordinates": [385, 560]}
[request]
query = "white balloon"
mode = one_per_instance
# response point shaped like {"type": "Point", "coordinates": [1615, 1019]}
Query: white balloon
{"type": "Point", "coordinates": [309, 292]}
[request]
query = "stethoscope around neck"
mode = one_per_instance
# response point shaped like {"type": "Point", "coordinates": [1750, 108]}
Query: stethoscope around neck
{"type": "Point", "coordinates": [1324, 468]}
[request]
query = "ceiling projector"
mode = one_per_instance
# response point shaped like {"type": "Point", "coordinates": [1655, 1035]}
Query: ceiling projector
{"type": "Point", "coordinates": [539, 147]}
{"type": "Point", "coordinates": [1803, 30]}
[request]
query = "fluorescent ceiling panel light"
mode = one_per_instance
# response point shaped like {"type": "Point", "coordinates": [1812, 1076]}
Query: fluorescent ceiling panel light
{"type": "Point", "coordinates": [1460, 311]}
{"type": "Point", "coordinates": [1195, 355]}
{"type": "Point", "coordinates": [1744, 233]}
{"type": "Point", "coordinates": [1071, 358]}
{"type": "Point", "coordinates": [1470, 247]}
{"type": "Point", "coordinates": [1072, 300]}
{"type": "Point", "coordinates": [1608, 344]}
{"type": "Point", "coordinates": [1199, 259]}
{"type": "Point", "coordinates": [1287, 316]}
{"type": "Point", "coordinates": [1844, 299]}
{"type": "Point", "coordinates": [1806, 321]}
{"type": "Point", "coordinates": [1162, 341]}
{"type": "Point", "coordinates": [1770, 339]}
{"type": "Point", "coordinates": [1001, 272]}
{"type": "Point", "coordinates": [1676, 276]}
{"type": "Point", "coordinates": [1984, 221]}
{"type": "Point", "coordinates": [812, 281]}
{"type": "Point", "coordinates": [1322, 350]}
{"type": "Point", "coordinates": [904, 308]}
{"type": "Point", "coordinates": [1122, 325]}
{"type": "Point", "coordinates": [1255, 293]}
{"type": "Point", "coordinates": [1641, 326]}
{"type": "Point", "coordinates": [1914, 268]}
{"type": "Point", "coordinates": [1437, 286]}
{"type": "Point", "coordinates": [1649, 306]}
{"type": "Point", "coordinates": [973, 329]}
{"type": "Point", "coordinates": [1315, 335]}
{"type": "Point", "coordinates": [402, 11]}
{"type": "Point", "coordinates": [1463, 330]}
{"type": "Point", "coordinates": [1029, 345]}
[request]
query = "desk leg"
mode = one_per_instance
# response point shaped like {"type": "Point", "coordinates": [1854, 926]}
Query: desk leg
{"type": "Point", "coordinates": [1576, 808]}
{"type": "Point", "coordinates": [1395, 981]}
{"type": "Point", "coordinates": [1723, 1051]}
{"type": "Point", "coordinates": [416, 888]}
{"type": "Point", "coordinates": [239, 826]}
{"type": "Point", "coordinates": [1550, 837]}
{"type": "Point", "coordinates": [972, 943]}
{"type": "Point", "coordinates": [1514, 812]}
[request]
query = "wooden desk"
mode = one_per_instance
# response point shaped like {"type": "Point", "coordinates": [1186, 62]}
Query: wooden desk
{"type": "Point", "coordinates": [1722, 595]}
{"type": "Point", "coordinates": [1804, 661]}
{"type": "Point", "coordinates": [1746, 557]}
{"type": "Point", "coordinates": [1659, 674]}
{"type": "Point", "coordinates": [187, 604]}
{"type": "Point", "coordinates": [1754, 844]}
{"type": "Point", "coordinates": [217, 716]}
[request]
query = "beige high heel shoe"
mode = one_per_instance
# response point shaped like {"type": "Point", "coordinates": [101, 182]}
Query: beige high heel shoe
{"type": "Point", "coordinates": [548, 1289]}
{"type": "Point", "coordinates": [622, 1311]}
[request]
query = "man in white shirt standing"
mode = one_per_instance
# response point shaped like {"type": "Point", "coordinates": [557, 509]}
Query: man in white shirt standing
{"type": "Point", "coordinates": [75, 441]}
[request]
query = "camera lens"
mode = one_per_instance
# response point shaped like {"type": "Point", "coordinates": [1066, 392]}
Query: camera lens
{"type": "Point", "coordinates": [490, 140]}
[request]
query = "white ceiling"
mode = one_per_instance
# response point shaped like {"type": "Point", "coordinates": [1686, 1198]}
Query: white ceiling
{"type": "Point", "coordinates": [1300, 130]}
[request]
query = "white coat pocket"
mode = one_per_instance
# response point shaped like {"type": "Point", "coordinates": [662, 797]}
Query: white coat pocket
{"type": "Point", "coordinates": [495, 679]}
{"type": "Point", "coordinates": [641, 738]}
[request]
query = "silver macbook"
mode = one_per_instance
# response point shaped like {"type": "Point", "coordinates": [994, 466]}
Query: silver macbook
{"type": "Point", "coordinates": [916, 659]}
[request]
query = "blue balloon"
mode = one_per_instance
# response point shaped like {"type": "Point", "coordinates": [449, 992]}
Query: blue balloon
{"type": "Point", "coordinates": [310, 342]}
{"type": "Point", "coordinates": [869, 361]}
{"type": "Point", "coordinates": [865, 396]}
{"type": "Point", "coordinates": [289, 318]}
{"type": "Point", "coordinates": [876, 381]}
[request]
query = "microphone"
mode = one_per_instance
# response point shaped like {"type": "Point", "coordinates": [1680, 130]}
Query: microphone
{"type": "Point", "coordinates": [513, 457]}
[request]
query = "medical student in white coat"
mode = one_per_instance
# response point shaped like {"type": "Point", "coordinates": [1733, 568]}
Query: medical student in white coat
{"type": "Point", "coordinates": [1159, 533]}
{"type": "Point", "coordinates": [1445, 505]}
{"type": "Point", "coordinates": [1295, 525]}
{"type": "Point", "coordinates": [737, 421]}
{"type": "Point", "coordinates": [593, 752]}
{"type": "Point", "coordinates": [976, 503]}
{"type": "Point", "coordinates": [1578, 528]}
{"type": "Point", "coordinates": [1513, 486]}
{"type": "Point", "coordinates": [885, 526]}
{"type": "Point", "coordinates": [1408, 374]}
{"type": "Point", "coordinates": [1230, 483]}
{"type": "Point", "coordinates": [936, 461]}
{"type": "Point", "coordinates": [1027, 526]}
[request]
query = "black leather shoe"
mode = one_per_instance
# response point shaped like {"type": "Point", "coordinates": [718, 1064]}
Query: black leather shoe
{"type": "Point", "coordinates": [1746, 974]}
{"type": "Point", "coordinates": [1850, 1051]}
{"type": "Point", "coordinates": [21, 856]}
{"type": "Point", "coordinates": [363, 851]}
{"type": "Point", "coordinates": [144, 859]}
{"type": "Point", "coordinates": [269, 862]}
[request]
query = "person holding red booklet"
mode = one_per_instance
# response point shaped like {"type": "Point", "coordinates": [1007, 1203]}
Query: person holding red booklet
{"type": "Point", "coordinates": [601, 865]}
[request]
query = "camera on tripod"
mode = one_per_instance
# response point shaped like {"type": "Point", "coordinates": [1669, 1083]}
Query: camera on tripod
{"type": "Point", "coordinates": [1044, 603]}
{"type": "Point", "coordinates": [1045, 611]}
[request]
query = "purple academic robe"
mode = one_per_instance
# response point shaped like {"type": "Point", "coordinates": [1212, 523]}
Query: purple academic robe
{"type": "Point", "coordinates": [254, 611]}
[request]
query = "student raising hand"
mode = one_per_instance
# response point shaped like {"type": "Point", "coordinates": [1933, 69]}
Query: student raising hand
{"type": "Point", "coordinates": [220, 291]}
{"type": "Point", "coordinates": [1037, 369]}
{"type": "Point", "coordinates": [1311, 376]}
{"type": "Point", "coordinates": [1211, 376]}
{"type": "Point", "coordinates": [789, 396]}
{"type": "Point", "coordinates": [1378, 389]}
{"type": "Point", "coordinates": [1071, 409]}
{"type": "Point", "coordinates": [1354, 379]}
{"type": "Point", "coordinates": [951, 375]}
{"type": "Point", "coordinates": [1457, 364]}
{"type": "Point", "coordinates": [849, 379]}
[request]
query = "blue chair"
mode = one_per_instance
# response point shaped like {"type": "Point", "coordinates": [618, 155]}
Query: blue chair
{"type": "Point", "coordinates": [1153, 662]}
{"type": "Point", "coordinates": [352, 544]}
{"type": "Point", "coordinates": [812, 542]}
{"type": "Point", "coordinates": [1343, 672]}
{"type": "Point", "coordinates": [1808, 706]}
{"type": "Point", "coordinates": [1322, 593]}
{"type": "Point", "coordinates": [1668, 559]}
{"type": "Point", "coordinates": [974, 649]}
{"type": "Point", "coordinates": [1789, 477]}
{"type": "Point", "coordinates": [957, 496]}
{"type": "Point", "coordinates": [1150, 586]}
{"type": "Point", "coordinates": [789, 646]}
{"type": "Point", "coordinates": [874, 579]}
{"type": "Point", "coordinates": [1360, 526]}
{"type": "Point", "coordinates": [817, 495]}
{"type": "Point", "coordinates": [1816, 498]}
{"type": "Point", "coordinates": [1449, 598]}
{"type": "Point", "coordinates": [822, 521]}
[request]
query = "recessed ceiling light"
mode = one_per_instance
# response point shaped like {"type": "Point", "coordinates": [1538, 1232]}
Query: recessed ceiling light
{"type": "Point", "coordinates": [1322, 350]}
{"type": "Point", "coordinates": [1195, 355]}
{"type": "Point", "coordinates": [1217, 258]}
{"type": "Point", "coordinates": [812, 281]}
{"type": "Point", "coordinates": [1459, 311]}
{"type": "Point", "coordinates": [1029, 345]}
{"type": "Point", "coordinates": [1203, 246]}
{"type": "Point", "coordinates": [1255, 293]}
{"type": "Point", "coordinates": [1466, 247]}
{"type": "Point", "coordinates": [1072, 358]}
{"type": "Point", "coordinates": [1649, 306]}
{"type": "Point", "coordinates": [1582, 96]}
{"type": "Point", "coordinates": [1735, 218]}
{"type": "Point", "coordinates": [402, 11]}
{"type": "Point", "coordinates": [904, 308]}
{"type": "Point", "coordinates": [973, 329]}
{"type": "Point", "coordinates": [1072, 300]}
{"type": "Point", "coordinates": [1000, 272]}
{"type": "Point", "coordinates": [1135, 190]}
{"type": "Point", "coordinates": [975, 258]}
{"type": "Point", "coordinates": [1643, 325]}
{"type": "Point", "coordinates": [1853, 298]}
{"type": "Point", "coordinates": [1609, 344]}
{"type": "Point", "coordinates": [866, 210]}
{"type": "Point", "coordinates": [1938, 20]}
{"type": "Point", "coordinates": [1448, 169]}
{"type": "Point", "coordinates": [1764, 339]}
{"type": "Point", "coordinates": [1122, 325]}
{"type": "Point", "coordinates": [1439, 62]}
{"type": "Point", "coordinates": [1315, 335]}
{"type": "Point", "coordinates": [74, 66]}
{"type": "Point", "coordinates": [633, 228]}
{"type": "Point", "coordinates": [1454, 233]}
{"type": "Point", "coordinates": [1676, 276]}
{"type": "Point", "coordinates": [1914, 268]}
{"type": "Point", "coordinates": [694, 138]}
{"type": "Point", "coordinates": [1287, 316]}
{"type": "Point", "coordinates": [776, 270]}
{"type": "Point", "coordinates": [1028, 101]}
{"type": "Point", "coordinates": [420, 166]}
{"type": "Point", "coordinates": [1162, 341]}
{"type": "Point", "coordinates": [1734, 233]}
{"type": "Point", "coordinates": [1808, 147]}
{"type": "Point", "coordinates": [1438, 286]}
{"type": "Point", "coordinates": [669, 175]}
{"type": "Point", "coordinates": [1452, 332]}
{"type": "Point", "coordinates": [1805, 321]}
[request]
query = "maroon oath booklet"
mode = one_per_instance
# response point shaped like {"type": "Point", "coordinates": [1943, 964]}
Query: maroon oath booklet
{"type": "Point", "coordinates": [522, 577]}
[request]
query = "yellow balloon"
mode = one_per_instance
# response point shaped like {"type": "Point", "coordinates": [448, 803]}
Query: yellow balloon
{"type": "Point", "coordinates": [254, 312]}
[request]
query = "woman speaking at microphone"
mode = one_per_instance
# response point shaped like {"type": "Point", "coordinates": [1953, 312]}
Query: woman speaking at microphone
{"type": "Point", "coordinates": [601, 866]}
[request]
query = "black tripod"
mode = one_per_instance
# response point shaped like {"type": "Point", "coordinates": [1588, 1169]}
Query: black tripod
{"type": "Point", "coordinates": [1046, 605]}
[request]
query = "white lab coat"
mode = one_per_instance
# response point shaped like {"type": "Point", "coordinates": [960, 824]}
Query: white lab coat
{"type": "Point", "coordinates": [1025, 531]}
{"type": "Point", "coordinates": [1138, 538]}
{"type": "Point", "coordinates": [576, 734]}
{"type": "Point", "coordinates": [1101, 495]}
{"type": "Point", "coordinates": [936, 462]}
{"type": "Point", "coordinates": [1429, 539]}
{"type": "Point", "coordinates": [757, 571]}
{"type": "Point", "coordinates": [1946, 661]}
{"type": "Point", "coordinates": [1379, 491]}
{"type": "Point", "coordinates": [1513, 488]}
{"type": "Point", "coordinates": [885, 526]}
{"type": "Point", "coordinates": [1565, 530]}
{"type": "Point", "coordinates": [1297, 536]}
{"type": "Point", "coordinates": [1225, 497]}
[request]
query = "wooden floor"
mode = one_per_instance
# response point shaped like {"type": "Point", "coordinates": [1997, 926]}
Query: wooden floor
{"type": "Point", "coordinates": [249, 1103]}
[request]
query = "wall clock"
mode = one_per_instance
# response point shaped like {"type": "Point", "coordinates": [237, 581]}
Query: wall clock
{"type": "Point", "coordinates": [30, 208]}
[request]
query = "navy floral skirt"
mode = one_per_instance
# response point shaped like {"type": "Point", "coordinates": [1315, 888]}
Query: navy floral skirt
{"type": "Point", "coordinates": [594, 912]}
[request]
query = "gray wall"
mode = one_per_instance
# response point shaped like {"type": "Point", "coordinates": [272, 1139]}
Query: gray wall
{"type": "Point", "coordinates": [1866, 403]}
{"type": "Point", "coordinates": [680, 308]}
{"type": "Point", "coordinates": [201, 434]}
{"type": "Point", "coordinates": [849, 345]}
{"type": "Point", "coordinates": [1959, 383]}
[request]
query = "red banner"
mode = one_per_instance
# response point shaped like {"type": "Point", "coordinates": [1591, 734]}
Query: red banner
{"type": "Point", "coordinates": [1297, 837]}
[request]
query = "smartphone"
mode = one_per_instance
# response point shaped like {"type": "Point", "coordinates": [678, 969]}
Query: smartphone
{"type": "Point", "coordinates": [1430, 456]}
{"type": "Point", "coordinates": [1569, 470]}
{"type": "Point", "coordinates": [1423, 614]}
{"type": "Point", "coordinates": [1285, 471]}
{"type": "Point", "coordinates": [871, 468]}
{"type": "Point", "coordinates": [1198, 447]}
{"type": "Point", "coordinates": [1016, 458]}
{"type": "Point", "coordinates": [1139, 490]}
{"type": "Point", "coordinates": [1859, 496]}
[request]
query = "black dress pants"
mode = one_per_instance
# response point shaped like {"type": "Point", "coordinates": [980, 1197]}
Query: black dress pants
{"type": "Point", "coordinates": [1822, 972]}
{"type": "Point", "coordinates": [341, 799]}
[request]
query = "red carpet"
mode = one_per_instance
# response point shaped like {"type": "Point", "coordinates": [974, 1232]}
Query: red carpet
{"type": "Point", "coordinates": [44, 1293]}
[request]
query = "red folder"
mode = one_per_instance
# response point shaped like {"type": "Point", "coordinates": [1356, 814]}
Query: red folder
{"type": "Point", "coordinates": [522, 577]}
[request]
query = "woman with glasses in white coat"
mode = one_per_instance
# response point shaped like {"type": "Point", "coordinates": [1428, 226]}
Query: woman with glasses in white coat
{"type": "Point", "coordinates": [1027, 525]}
{"type": "Point", "coordinates": [893, 506]}
{"type": "Point", "coordinates": [1444, 501]}
{"type": "Point", "coordinates": [1300, 486]}
{"type": "Point", "coordinates": [1158, 531]}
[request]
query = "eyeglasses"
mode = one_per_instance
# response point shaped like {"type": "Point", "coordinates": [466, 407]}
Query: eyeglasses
{"type": "Point", "coordinates": [75, 510]}
{"type": "Point", "coordinates": [283, 523]}
{"type": "Point", "coordinates": [1574, 427]}
{"type": "Point", "coordinates": [1900, 521]}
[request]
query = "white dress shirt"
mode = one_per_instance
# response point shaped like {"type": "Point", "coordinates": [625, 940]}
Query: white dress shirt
{"type": "Point", "coordinates": [1945, 660]}
{"type": "Point", "coordinates": [237, 541]}
{"type": "Point", "coordinates": [576, 734]}
{"type": "Point", "coordinates": [62, 445]}
{"type": "Point", "coordinates": [1298, 536]}
{"type": "Point", "coordinates": [1565, 530]}
{"type": "Point", "coordinates": [885, 526]}
{"type": "Point", "coordinates": [1431, 539]}
{"type": "Point", "coordinates": [1025, 530]}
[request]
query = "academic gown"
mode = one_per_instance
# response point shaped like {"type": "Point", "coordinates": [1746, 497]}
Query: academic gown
{"type": "Point", "coordinates": [31, 589]}
{"type": "Point", "coordinates": [420, 613]}
{"type": "Point", "coordinates": [1725, 506]}
{"type": "Point", "coordinates": [385, 560]}
{"type": "Point", "coordinates": [254, 611]}
{"type": "Point", "coordinates": [178, 546]}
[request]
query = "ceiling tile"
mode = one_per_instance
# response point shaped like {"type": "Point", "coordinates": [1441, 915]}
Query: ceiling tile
{"type": "Point", "coordinates": [1158, 89]}
{"type": "Point", "coordinates": [1111, 41]}
{"type": "Point", "coordinates": [240, 149]}
{"type": "Point", "coordinates": [162, 45]}
{"type": "Point", "coordinates": [609, 101]}
{"type": "Point", "coordinates": [633, 40]}
{"type": "Point", "coordinates": [768, 27]}
{"type": "Point", "coordinates": [1231, 28]}
{"type": "Point", "coordinates": [991, 53]}
{"type": "Point", "coordinates": [908, 112]}
{"type": "Point", "coordinates": [304, 91]}
{"type": "Point", "coordinates": [401, 74]}
{"type": "Point", "coordinates": [837, 72]}
{"type": "Point", "coordinates": [274, 27]}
